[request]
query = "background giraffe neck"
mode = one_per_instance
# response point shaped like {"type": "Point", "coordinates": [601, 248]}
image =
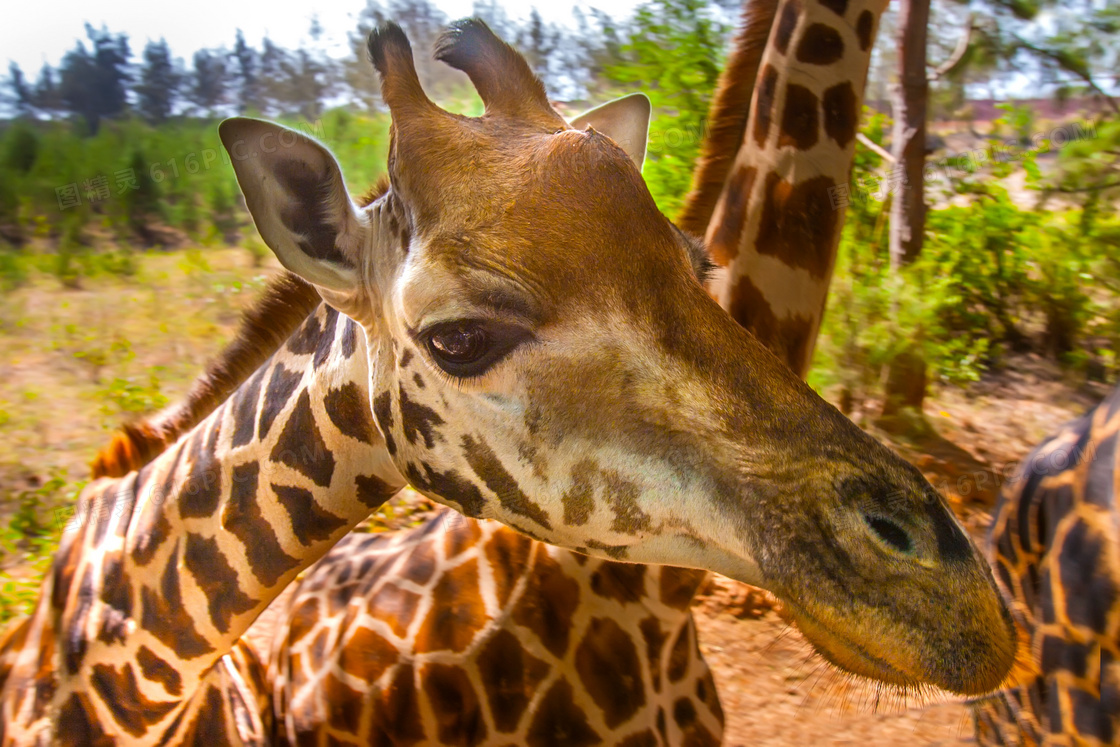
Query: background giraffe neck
{"type": "Point", "coordinates": [777, 223]}
{"type": "Point", "coordinates": [171, 564]}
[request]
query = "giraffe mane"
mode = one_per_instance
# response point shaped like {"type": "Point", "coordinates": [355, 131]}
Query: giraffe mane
{"type": "Point", "coordinates": [727, 116]}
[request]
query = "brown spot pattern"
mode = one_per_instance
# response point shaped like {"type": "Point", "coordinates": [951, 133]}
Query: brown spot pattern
{"type": "Point", "coordinates": [764, 103]}
{"type": "Point", "coordinates": [729, 231]}
{"type": "Point", "coordinates": [200, 494]}
{"type": "Point", "coordinates": [372, 491]}
{"type": "Point", "coordinates": [217, 579]}
{"type": "Point", "coordinates": [841, 113]}
{"type": "Point", "coordinates": [787, 23]}
{"type": "Point", "coordinates": [654, 639]}
{"type": "Point", "coordinates": [310, 522]}
{"type": "Point", "coordinates": [395, 606]}
{"type": "Point", "coordinates": [244, 410]}
{"type": "Point", "coordinates": [789, 337]}
{"type": "Point", "coordinates": [608, 666]}
{"type": "Point", "coordinates": [548, 604]}
{"type": "Point", "coordinates": [120, 692]}
{"type": "Point", "coordinates": [510, 676]}
{"type": "Point", "coordinates": [508, 553]}
{"type": "Point", "coordinates": [301, 445]}
{"type": "Point", "coordinates": [559, 720]}
{"type": "Point", "coordinates": [421, 564]}
{"type": "Point", "coordinates": [820, 45]}
{"type": "Point", "coordinates": [622, 495]}
{"type": "Point", "coordinates": [642, 739]}
{"type": "Point", "coordinates": [74, 621]}
{"type": "Point", "coordinates": [209, 726]}
{"type": "Point", "coordinates": [164, 615]}
{"type": "Point", "coordinates": [693, 733]}
{"type": "Point", "coordinates": [157, 670]}
{"type": "Point", "coordinates": [347, 408]}
{"type": "Point", "coordinates": [396, 713]}
{"type": "Point", "coordinates": [865, 29]}
{"type": "Point", "coordinates": [679, 655]}
{"type": "Point", "coordinates": [367, 655]}
{"type": "Point", "coordinates": [152, 532]}
{"type": "Point", "coordinates": [679, 585]}
{"type": "Point", "coordinates": [383, 411]}
{"type": "Point", "coordinates": [800, 119]}
{"type": "Point", "coordinates": [488, 467]}
{"type": "Point", "coordinates": [579, 499]}
{"type": "Point", "coordinates": [243, 518]}
{"type": "Point", "coordinates": [798, 223]}
{"type": "Point", "coordinates": [116, 593]}
{"type": "Point", "coordinates": [346, 704]}
{"type": "Point", "coordinates": [452, 624]}
{"type": "Point", "coordinates": [622, 582]}
{"type": "Point", "coordinates": [460, 537]}
{"type": "Point", "coordinates": [281, 386]}
{"type": "Point", "coordinates": [78, 724]}
{"type": "Point", "coordinates": [418, 421]}
{"type": "Point", "coordinates": [326, 339]}
{"type": "Point", "coordinates": [455, 705]}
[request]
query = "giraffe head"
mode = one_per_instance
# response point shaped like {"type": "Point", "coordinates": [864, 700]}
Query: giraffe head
{"type": "Point", "coordinates": [541, 350]}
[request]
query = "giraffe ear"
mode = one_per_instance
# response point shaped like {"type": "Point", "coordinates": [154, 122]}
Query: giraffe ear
{"type": "Point", "coordinates": [294, 190]}
{"type": "Point", "coordinates": [624, 120]}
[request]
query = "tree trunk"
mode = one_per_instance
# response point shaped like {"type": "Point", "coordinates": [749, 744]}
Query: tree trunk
{"type": "Point", "coordinates": [908, 146]}
{"type": "Point", "coordinates": [906, 374]}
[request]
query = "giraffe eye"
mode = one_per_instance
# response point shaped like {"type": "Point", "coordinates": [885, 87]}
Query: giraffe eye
{"type": "Point", "coordinates": [460, 344]}
{"type": "Point", "coordinates": [468, 348]}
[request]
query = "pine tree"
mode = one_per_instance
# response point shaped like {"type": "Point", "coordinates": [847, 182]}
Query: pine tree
{"type": "Point", "coordinates": [21, 93]}
{"type": "Point", "coordinates": [208, 85]}
{"type": "Point", "coordinates": [93, 84]}
{"type": "Point", "coordinates": [159, 83]}
{"type": "Point", "coordinates": [248, 93]}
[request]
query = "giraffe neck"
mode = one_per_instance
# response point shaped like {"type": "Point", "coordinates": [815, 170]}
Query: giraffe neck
{"type": "Point", "coordinates": [168, 566]}
{"type": "Point", "coordinates": [778, 222]}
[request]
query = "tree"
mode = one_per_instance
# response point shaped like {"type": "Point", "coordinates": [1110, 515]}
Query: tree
{"type": "Point", "coordinates": [48, 97]}
{"type": "Point", "coordinates": [93, 84]}
{"type": "Point", "coordinates": [208, 83]}
{"type": "Point", "coordinates": [159, 83]}
{"type": "Point", "coordinates": [538, 43]}
{"type": "Point", "coordinates": [248, 93]}
{"type": "Point", "coordinates": [908, 142]}
{"type": "Point", "coordinates": [22, 94]}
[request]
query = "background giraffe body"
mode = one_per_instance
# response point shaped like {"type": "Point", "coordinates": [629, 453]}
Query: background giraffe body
{"type": "Point", "coordinates": [1055, 543]}
{"type": "Point", "coordinates": [465, 632]}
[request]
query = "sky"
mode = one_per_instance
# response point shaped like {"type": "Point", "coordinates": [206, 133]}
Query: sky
{"type": "Point", "coordinates": [33, 34]}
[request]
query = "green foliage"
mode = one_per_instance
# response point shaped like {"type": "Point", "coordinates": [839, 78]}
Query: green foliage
{"type": "Point", "coordinates": [674, 54]}
{"type": "Point", "coordinates": [21, 150]}
{"type": "Point", "coordinates": [131, 397]}
{"type": "Point", "coordinates": [28, 540]}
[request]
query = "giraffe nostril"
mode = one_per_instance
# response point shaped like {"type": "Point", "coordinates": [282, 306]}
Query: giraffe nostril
{"type": "Point", "coordinates": [889, 532]}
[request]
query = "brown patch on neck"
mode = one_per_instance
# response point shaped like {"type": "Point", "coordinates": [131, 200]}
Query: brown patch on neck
{"type": "Point", "coordinates": [798, 223]}
{"type": "Point", "coordinates": [790, 338]}
{"type": "Point", "coordinates": [728, 233]}
{"type": "Point", "coordinates": [727, 117]}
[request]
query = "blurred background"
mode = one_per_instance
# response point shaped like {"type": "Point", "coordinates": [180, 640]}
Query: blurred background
{"type": "Point", "coordinates": [126, 253]}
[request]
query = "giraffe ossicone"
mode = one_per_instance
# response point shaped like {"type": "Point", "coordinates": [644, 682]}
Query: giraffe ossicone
{"type": "Point", "coordinates": [515, 330]}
